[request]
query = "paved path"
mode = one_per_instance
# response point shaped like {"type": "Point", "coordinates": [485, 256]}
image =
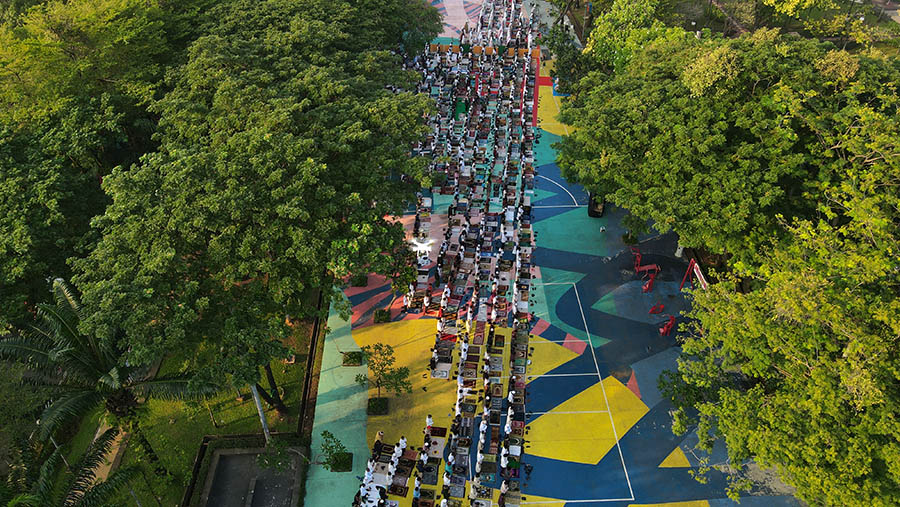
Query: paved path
{"type": "Point", "coordinates": [340, 409]}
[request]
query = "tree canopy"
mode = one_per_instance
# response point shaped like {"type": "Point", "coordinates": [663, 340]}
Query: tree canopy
{"type": "Point", "coordinates": [780, 154]}
{"type": "Point", "coordinates": [714, 138]}
{"type": "Point", "coordinates": [75, 81]}
{"type": "Point", "coordinates": [280, 155]}
{"type": "Point", "coordinates": [802, 374]}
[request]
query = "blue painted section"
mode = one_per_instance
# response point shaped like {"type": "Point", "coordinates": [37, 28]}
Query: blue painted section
{"type": "Point", "coordinates": [647, 371]}
{"type": "Point", "coordinates": [573, 248]}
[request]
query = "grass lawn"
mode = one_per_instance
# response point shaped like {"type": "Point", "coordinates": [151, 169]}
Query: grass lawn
{"type": "Point", "coordinates": [175, 429]}
{"type": "Point", "coordinates": [75, 448]}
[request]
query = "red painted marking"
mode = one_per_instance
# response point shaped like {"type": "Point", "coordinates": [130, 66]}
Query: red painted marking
{"type": "Point", "coordinates": [633, 385]}
{"type": "Point", "coordinates": [372, 282]}
{"type": "Point", "coordinates": [359, 311]}
{"type": "Point", "coordinates": [540, 327]}
{"type": "Point", "coordinates": [576, 345]}
{"type": "Point", "coordinates": [544, 81]}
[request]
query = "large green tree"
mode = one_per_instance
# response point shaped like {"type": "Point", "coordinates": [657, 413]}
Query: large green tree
{"type": "Point", "coordinates": [280, 159]}
{"type": "Point", "coordinates": [715, 138]}
{"type": "Point", "coordinates": [803, 373]}
{"type": "Point", "coordinates": [76, 78]}
{"type": "Point", "coordinates": [46, 204]}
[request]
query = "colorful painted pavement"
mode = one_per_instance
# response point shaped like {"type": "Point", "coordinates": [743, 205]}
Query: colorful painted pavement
{"type": "Point", "coordinates": [599, 431]}
{"type": "Point", "coordinates": [456, 14]}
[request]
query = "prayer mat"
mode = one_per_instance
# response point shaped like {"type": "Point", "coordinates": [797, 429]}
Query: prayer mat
{"type": "Point", "coordinates": [431, 472]}
{"type": "Point", "coordinates": [458, 491]}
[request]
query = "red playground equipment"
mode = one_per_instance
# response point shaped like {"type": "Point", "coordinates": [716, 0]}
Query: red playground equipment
{"type": "Point", "coordinates": [647, 271]}
{"type": "Point", "coordinates": [693, 269]}
{"type": "Point", "coordinates": [657, 308]}
{"type": "Point", "coordinates": [666, 328]}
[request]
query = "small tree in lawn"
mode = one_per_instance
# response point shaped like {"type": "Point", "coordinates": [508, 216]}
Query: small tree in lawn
{"type": "Point", "coordinates": [380, 360]}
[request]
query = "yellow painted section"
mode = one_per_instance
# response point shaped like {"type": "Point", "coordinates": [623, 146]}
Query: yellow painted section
{"type": "Point", "coordinates": [692, 503]}
{"type": "Point", "coordinates": [547, 356]}
{"type": "Point", "coordinates": [548, 109]}
{"type": "Point", "coordinates": [538, 501]}
{"type": "Point", "coordinates": [412, 341]}
{"type": "Point", "coordinates": [675, 459]}
{"type": "Point", "coordinates": [547, 66]}
{"type": "Point", "coordinates": [579, 429]}
{"type": "Point", "coordinates": [627, 409]}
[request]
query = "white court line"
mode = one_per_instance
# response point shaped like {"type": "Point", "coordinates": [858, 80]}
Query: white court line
{"type": "Point", "coordinates": [603, 388]}
{"type": "Point", "coordinates": [561, 206]}
{"type": "Point", "coordinates": [560, 186]}
{"type": "Point", "coordinates": [551, 375]}
{"type": "Point", "coordinates": [578, 501]}
{"type": "Point", "coordinates": [573, 412]}
{"type": "Point", "coordinates": [562, 375]}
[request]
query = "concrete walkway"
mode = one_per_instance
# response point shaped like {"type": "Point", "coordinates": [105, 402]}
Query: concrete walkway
{"type": "Point", "coordinates": [340, 409]}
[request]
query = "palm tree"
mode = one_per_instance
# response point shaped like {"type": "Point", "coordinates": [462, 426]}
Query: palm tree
{"type": "Point", "coordinates": [88, 373]}
{"type": "Point", "coordinates": [79, 486]}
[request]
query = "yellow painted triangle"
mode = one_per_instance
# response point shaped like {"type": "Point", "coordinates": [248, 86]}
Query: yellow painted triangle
{"type": "Point", "coordinates": [675, 459]}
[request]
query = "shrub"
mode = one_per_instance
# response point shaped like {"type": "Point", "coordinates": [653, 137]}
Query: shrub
{"type": "Point", "coordinates": [354, 358]}
{"type": "Point", "coordinates": [377, 406]}
{"type": "Point", "coordinates": [382, 316]}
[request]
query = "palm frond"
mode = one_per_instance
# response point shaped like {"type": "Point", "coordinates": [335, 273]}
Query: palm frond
{"type": "Point", "coordinates": [86, 467]}
{"type": "Point", "coordinates": [24, 500]}
{"type": "Point", "coordinates": [175, 387]}
{"type": "Point", "coordinates": [61, 324]}
{"type": "Point", "coordinates": [68, 406]}
{"type": "Point", "coordinates": [63, 327]}
{"type": "Point", "coordinates": [102, 494]}
{"type": "Point", "coordinates": [66, 351]}
{"type": "Point", "coordinates": [43, 488]}
{"type": "Point", "coordinates": [23, 349]}
{"type": "Point", "coordinates": [65, 296]}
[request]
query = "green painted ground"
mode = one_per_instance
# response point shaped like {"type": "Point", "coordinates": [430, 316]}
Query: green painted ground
{"type": "Point", "coordinates": [564, 228]}
{"type": "Point", "coordinates": [340, 409]}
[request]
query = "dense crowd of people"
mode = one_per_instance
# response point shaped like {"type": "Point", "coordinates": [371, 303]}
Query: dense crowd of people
{"type": "Point", "coordinates": [478, 285]}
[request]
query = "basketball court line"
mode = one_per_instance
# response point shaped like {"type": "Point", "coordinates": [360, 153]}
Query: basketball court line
{"type": "Point", "coordinates": [560, 186]}
{"type": "Point", "coordinates": [605, 399]}
{"type": "Point", "coordinates": [566, 502]}
{"type": "Point", "coordinates": [569, 412]}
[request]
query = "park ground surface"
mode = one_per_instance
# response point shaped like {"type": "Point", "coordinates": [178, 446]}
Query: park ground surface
{"type": "Point", "coordinates": [599, 430]}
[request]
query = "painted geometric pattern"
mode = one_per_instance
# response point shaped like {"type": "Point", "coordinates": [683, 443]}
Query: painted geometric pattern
{"type": "Point", "coordinates": [599, 429]}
